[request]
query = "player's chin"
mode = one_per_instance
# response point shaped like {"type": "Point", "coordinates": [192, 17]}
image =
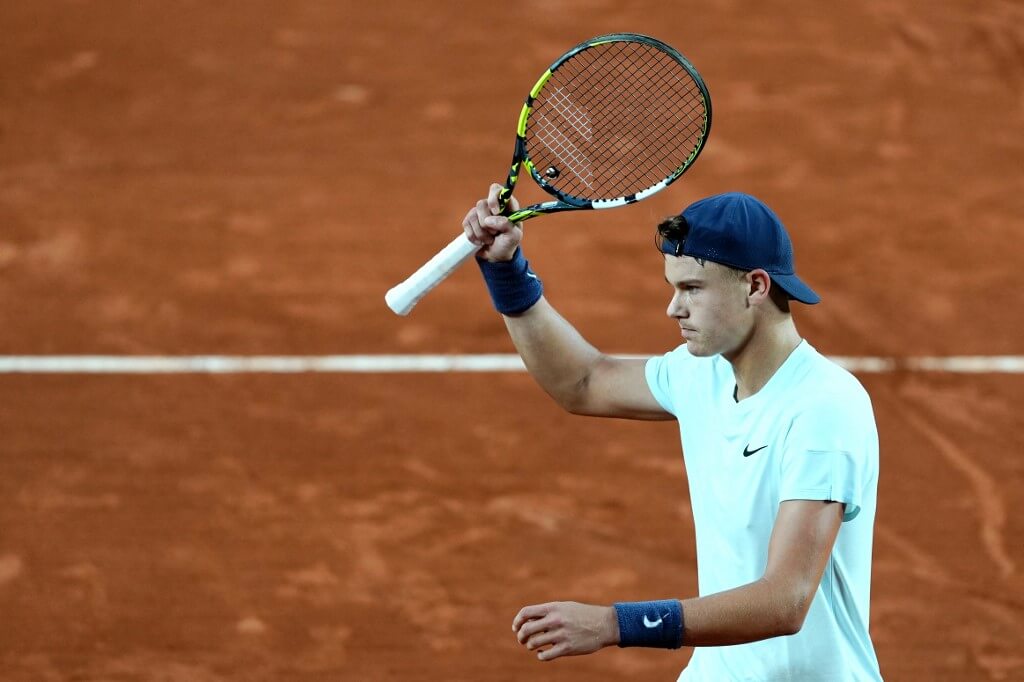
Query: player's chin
{"type": "Point", "coordinates": [698, 349]}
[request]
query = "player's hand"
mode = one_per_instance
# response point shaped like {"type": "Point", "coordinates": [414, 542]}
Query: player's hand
{"type": "Point", "coordinates": [498, 237]}
{"type": "Point", "coordinates": [566, 629]}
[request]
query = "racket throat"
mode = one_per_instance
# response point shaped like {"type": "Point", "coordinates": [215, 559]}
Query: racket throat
{"type": "Point", "coordinates": [505, 195]}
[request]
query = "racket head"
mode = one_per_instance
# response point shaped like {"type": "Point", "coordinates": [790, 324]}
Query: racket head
{"type": "Point", "coordinates": [614, 120]}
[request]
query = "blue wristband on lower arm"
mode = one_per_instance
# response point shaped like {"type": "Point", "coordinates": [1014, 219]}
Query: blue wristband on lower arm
{"type": "Point", "coordinates": [655, 624]}
{"type": "Point", "coordinates": [513, 286]}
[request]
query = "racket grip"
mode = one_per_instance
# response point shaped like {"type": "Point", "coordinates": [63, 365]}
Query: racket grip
{"type": "Point", "coordinates": [403, 297]}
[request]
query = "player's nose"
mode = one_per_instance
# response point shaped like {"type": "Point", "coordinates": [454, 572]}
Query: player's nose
{"type": "Point", "coordinates": [676, 309]}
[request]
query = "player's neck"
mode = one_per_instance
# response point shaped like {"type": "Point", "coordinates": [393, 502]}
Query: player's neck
{"type": "Point", "coordinates": [764, 352]}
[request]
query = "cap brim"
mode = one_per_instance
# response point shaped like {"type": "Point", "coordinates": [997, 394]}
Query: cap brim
{"type": "Point", "coordinates": [796, 289]}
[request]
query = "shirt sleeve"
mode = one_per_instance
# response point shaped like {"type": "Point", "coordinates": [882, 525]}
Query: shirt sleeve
{"type": "Point", "coordinates": [669, 376]}
{"type": "Point", "coordinates": [828, 454]}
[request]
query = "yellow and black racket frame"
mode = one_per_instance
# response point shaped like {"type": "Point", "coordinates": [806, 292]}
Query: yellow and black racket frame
{"type": "Point", "coordinates": [568, 202]}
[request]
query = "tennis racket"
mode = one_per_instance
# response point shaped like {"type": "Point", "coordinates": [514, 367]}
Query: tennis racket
{"type": "Point", "coordinates": [612, 121]}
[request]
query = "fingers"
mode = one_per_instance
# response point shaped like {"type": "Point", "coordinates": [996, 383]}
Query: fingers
{"type": "Point", "coordinates": [481, 226]}
{"type": "Point", "coordinates": [492, 198]}
{"type": "Point", "coordinates": [494, 205]}
{"type": "Point", "coordinates": [528, 613]}
{"type": "Point", "coordinates": [497, 237]}
{"type": "Point", "coordinates": [532, 627]}
{"type": "Point", "coordinates": [538, 626]}
{"type": "Point", "coordinates": [542, 638]}
{"type": "Point", "coordinates": [473, 227]}
{"type": "Point", "coordinates": [557, 643]}
{"type": "Point", "coordinates": [554, 652]}
{"type": "Point", "coordinates": [559, 629]}
{"type": "Point", "coordinates": [538, 633]}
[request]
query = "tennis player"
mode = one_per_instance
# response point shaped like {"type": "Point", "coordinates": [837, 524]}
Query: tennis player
{"type": "Point", "coordinates": [779, 444]}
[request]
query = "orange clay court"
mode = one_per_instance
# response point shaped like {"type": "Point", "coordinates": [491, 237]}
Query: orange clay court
{"type": "Point", "coordinates": [249, 179]}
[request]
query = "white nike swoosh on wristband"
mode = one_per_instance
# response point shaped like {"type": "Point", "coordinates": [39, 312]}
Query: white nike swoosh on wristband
{"type": "Point", "coordinates": [651, 623]}
{"type": "Point", "coordinates": [530, 274]}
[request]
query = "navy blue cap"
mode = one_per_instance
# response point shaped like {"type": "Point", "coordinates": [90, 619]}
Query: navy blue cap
{"type": "Point", "coordinates": [740, 231]}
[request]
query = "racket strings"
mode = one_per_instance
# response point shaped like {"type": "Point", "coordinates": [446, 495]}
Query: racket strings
{"type": "Point", "coordinates": [551, 134]}
{"type": "Point", "coordinates": [634, 114]}
{"type": "Point", "coordinates": [685, 137]}
{"type": "Point", "coordinates": [660, 79]}
{"type": "Point", "coordinates": [614, 120]}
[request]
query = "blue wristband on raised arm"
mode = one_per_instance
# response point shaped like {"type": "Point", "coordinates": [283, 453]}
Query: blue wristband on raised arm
{"type": "Point", "coordinates": [513, 287]}
{"type": "Point", "coordinates": [655, 624]}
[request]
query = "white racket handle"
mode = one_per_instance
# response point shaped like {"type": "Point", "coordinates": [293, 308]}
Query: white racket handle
{"type": "Point", "coordinates": [403, 297]}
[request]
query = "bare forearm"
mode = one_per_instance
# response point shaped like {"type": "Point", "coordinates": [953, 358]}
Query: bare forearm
{"type": "Point", "coordinates": [802, 540]}
{"type": "Point", "coordinates": [557, 356]}
{"type": "Point", "coordinates": [756, 611]}
{"type": "Point", "coordinates": [747, 614]}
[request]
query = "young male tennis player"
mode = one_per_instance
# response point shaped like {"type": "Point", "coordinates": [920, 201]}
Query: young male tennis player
{"type": "Point", "coordinates": [779, 444]}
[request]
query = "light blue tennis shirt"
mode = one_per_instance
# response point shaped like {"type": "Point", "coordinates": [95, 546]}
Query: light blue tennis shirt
{"type": "Point", "coordinates": [808, 434]}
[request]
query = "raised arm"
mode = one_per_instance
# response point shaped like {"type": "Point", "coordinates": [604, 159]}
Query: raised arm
{"type": "Point", "coordinates": [578, 376]}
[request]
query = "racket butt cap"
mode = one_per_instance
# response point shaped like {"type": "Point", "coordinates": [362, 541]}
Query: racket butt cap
{"type": "Point", "coordinates": [399, 301]}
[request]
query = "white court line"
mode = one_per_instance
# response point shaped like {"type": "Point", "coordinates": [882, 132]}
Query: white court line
{"type": "Point", "coordinates": [296, 364]}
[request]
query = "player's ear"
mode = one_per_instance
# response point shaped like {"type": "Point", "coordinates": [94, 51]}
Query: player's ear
{"type": "Point", "coordinates": [759, 285]}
